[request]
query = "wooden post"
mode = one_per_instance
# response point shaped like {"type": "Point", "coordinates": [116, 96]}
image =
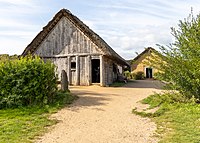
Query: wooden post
{"type": "Point", "coordinates": [69, 74]}
{"type": "Point", "coordinates": [64, 81]}
{"type": "Point", "coordinates": [89, 72]}
{"type": "Point", "coordinates": [102, 71]}
{"type": "Point", "coordinates": [77, 71]}
{"type": "Point", "coordinates": [123, 70]}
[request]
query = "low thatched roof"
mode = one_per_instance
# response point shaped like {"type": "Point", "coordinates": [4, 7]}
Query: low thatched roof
{"type": "Point", "coordinates": [108, 51]}
{"type": "Point", "coordinates": [147, 50]}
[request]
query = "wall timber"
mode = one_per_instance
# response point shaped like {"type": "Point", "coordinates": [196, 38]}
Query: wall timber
{"type": "Point", "coordinates": [64, 41]}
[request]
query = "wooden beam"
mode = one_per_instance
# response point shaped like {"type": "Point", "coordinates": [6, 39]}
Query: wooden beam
{"type": "Point", "coordinates": [102, 71]}
{"type": "Point", "coordinates": [67, 55]}
{"type": "Point", "coordinates": [69, 74]}
{"type": "Point", "coordinates": [77, 71]}
{"type": "Point", "coordinates": [89, 70]}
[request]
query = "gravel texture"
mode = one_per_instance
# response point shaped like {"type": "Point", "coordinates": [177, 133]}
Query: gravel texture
{"type": "Point", "coordinates": [104, 115]}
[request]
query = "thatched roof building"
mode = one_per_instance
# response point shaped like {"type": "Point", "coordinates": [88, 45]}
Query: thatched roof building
{"type": "Point", "coordinates": [72, 46]}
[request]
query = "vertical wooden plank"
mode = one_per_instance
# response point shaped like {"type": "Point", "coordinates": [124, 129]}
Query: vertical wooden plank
{"type": "Point", "coordinates": [102, 74]}
{"type": "Point", "coordinates": [76, 45]}
{"type": "Point", "coordinates": [84, 68]}
{"type": "Point", "coordinates": [77, 71]}
{"type": "Point", "coordinates": [85, 45]}
{"type": "Point", "coordinates": [89, 70]}
{"type": "Point", "coordinates": [81, 42]}
{"type": "Point", "coordinates": [81, 63]}
{"type": "Point", "coordinates": [69, 74]}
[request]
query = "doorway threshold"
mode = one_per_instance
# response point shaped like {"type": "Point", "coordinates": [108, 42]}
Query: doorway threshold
{"type": "Point", "coordinates": [97, 84]}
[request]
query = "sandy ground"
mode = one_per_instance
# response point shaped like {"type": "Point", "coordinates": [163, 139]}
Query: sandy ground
{"type": "Point", "coordinates": [103, 115]}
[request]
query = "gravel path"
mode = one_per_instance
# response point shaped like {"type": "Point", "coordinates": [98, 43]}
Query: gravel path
{"type": "Point", "coordinates": [103, 115]}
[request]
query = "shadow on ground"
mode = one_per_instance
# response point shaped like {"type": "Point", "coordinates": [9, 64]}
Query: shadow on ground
{"type": "Point", "coordinates": [145, 84]}
{"type": "Point", "coordinates": [92, 98]}
{"type": "Point", "coordinates": [88, 99]}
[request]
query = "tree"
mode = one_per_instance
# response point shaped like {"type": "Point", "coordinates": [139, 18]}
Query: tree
{"type": "Point", "coordinates": [182, 58]}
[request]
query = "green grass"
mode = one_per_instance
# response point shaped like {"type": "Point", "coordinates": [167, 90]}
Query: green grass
{"type": "Point", "coordinates": [178, 120]}
{"type": "Point", "coordinates": [117, 84]}
{"type": "Point", "coordinates": [23, 125]}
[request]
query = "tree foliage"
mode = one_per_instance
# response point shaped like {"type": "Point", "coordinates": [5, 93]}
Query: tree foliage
{"type": "Point", "coordinates": [4, 57]}
{"type": "Point", "coordinates": [28, 81]}
{"type": "Point", "coordinates": [181, 66]}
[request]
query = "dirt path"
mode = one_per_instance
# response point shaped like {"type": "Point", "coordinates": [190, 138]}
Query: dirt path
{"type": "Point", "coordinates": [103, 115]}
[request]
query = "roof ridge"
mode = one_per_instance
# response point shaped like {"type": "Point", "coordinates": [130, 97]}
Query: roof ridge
{"type": "Point", "coordinates": [143, 52]}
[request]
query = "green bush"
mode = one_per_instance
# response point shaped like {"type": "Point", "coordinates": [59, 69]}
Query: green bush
{"type": "Point", "coordinates": [26, 82]}
{"type": "Point", "coordinates": [181, 58]}
{"type": "Point", "coordinates": [157, 75]}
{"type": "Point", "coordinates": [139, 75]}
{"type": "Point", "coordinates": [133, 75]}
{"type": "Point", "coordinates": [127, 74]}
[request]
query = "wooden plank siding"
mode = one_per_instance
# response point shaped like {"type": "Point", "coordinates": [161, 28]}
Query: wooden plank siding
{"type": "Point", "coordinates": [67, 42]}
{"type": "Point", "coordinates": [64, 41]}
{"type": "Point", "coordinates": [70, 40]}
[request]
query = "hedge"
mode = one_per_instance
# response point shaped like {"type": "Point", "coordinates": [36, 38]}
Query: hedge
{"type": "Point", "coordinates": [26, 82]}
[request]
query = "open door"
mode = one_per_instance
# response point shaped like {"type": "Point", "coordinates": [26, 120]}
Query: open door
{"type": "Point", "coordinates": [95, 71]}
{"type": "Point", "coordinates": [149, 73]}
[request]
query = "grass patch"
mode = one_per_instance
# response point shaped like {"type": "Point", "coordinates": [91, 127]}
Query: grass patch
{"type": "Point", "coordinates": [24, 124]}
{"type": "Point", "coordinates": [178, 119]}
{"type": "Point", "coordinates": [117, 84]}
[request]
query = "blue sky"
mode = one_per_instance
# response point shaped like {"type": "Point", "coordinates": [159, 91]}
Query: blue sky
{"type": "Point", "coordinates": [128, 26]}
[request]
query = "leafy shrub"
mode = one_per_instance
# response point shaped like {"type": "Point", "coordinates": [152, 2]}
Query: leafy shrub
{"type": "Point", "coordinates": [28, 81]}
{"type": "Point", "coordinates": [133, 75]}
{"type": "Point", "coordinates": [157, 75]}
{"type": "Point", "coordinates": [127, 74]}
{"type": "Point", "coordinates": [139, 75]}
{"type": "Point", "coordinates": [181, 66]}
{"type": "Point", "coordinates": [5, 57]}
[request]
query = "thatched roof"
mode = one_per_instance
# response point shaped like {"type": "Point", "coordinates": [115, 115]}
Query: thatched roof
{"type": "Point", "coordinates": [108, 51]}
{"type": "Point", "coordinates": [146, 51]}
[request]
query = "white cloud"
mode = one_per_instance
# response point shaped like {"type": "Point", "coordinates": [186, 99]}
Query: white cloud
{"type": "Point", "coordinates": [129, 26]}
{"type": "Point", "coordinates": [18, 2]}
{"type": "Point", "coordinates": [17, 46]}
{"type": "Point", "coordinates": [135, 40]}
{"type": "Point", "coordinates": [126, 25]}
{"type": "Point", "coordinates": [16, 28]}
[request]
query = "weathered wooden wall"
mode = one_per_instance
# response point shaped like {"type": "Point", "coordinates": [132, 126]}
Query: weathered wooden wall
{"type": "Point", "coordinates": [108, 71]}
{"type": "Point", "coordinates": [64, 41]}
{"type": "Point", "coordinates": [66, 44]}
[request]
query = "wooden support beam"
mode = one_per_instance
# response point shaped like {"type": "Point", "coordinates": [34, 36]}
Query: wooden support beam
{"type": "Point", "coordinates": [67, 55]}
{"type": "Point", "coordinates": [89, 70]}
{"type": "Point", "coordinates": [77, 71]}
{"type": "Point", "coordinates": [102, 71]}
{"type": "Point", "coordinates": [69, 74]}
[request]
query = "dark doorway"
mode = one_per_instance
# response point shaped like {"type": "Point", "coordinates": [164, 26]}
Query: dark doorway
{"type": "Point", "coordinates": [149, 73]}
{"type": "Point", "coordinates": [95, 71]}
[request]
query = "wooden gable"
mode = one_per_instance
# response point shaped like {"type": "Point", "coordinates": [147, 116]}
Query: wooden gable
{"type": "Point", "coordinates": [66, 39]}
